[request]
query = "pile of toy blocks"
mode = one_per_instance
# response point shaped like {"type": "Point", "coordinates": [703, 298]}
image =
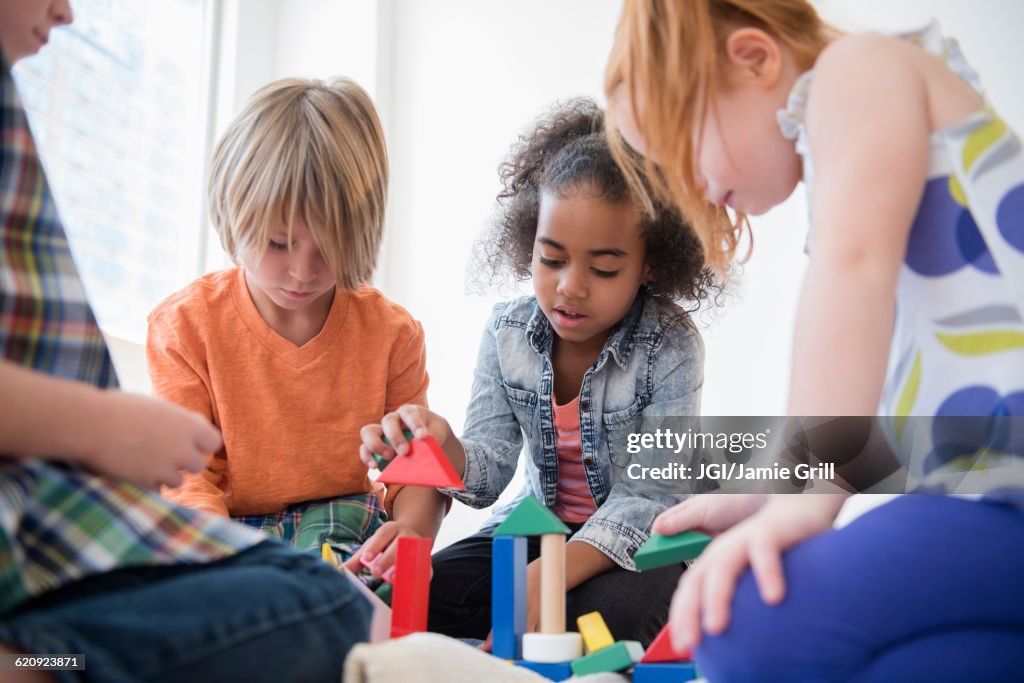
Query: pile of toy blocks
{"type": "Point", "coordinates": [553, 652]}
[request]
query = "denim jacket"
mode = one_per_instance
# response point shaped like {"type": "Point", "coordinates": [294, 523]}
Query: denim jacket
{"type": "Point", "coordinates": [651, 365]}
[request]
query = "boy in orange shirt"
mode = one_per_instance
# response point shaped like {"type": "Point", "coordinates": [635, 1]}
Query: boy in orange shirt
{"type": "Point", "coordinates": [289, 354]}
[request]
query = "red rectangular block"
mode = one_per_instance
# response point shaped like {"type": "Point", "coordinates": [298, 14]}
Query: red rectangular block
{"type": "Point", "coordinates": [411, 593]}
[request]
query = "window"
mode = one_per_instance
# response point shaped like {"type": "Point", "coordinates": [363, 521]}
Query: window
{"type": "Point", "coordinates": [117, 102]}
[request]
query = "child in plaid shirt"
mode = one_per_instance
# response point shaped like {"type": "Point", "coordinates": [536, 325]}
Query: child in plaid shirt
{"type": "Point", "coordinates": [92, 560]}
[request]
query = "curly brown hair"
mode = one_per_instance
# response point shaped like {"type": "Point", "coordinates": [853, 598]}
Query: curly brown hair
{"type": "Point", "coordinates": [564, 150]}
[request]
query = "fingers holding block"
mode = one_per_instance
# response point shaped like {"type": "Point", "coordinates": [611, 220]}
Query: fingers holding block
{"type": "Point", "coordinates": [660, 551]}
{"type": "Point", "coordinates": [424, 465]}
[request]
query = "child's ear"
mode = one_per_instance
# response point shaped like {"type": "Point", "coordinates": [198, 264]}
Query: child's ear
{"type": "Point", "coordinates": [753, 56]}
{"type": "Point", "coordinates": [647, 277]}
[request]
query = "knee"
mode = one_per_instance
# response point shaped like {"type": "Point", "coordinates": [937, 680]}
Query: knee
{"type": "Point", "coordinates": [752, 647]}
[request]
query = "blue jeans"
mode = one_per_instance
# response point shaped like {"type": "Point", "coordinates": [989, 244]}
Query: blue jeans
{"type": "Point", "coordinates": [923, 588]}
{"type": "Point", "coordinates": [266, 614]}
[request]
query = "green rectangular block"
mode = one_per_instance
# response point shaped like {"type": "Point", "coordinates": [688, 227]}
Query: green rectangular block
{"type": "Point", "coordinates": [660, 551]}
{"type": "Point", "coordinates": [617, 657]}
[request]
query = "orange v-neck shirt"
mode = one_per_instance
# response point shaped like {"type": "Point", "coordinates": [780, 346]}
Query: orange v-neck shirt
{"type": "Point", "coordinates": [290, 414]}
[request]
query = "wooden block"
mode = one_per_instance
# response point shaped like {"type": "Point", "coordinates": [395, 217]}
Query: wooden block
{"type": "Point", "coordinates": [596, 635]}
{"type": "Point", "coordinates": [660, 551]}
{"type": "Point", "coordinates": [664, 673]}
{"type": "Point", "coordinates": [424, 465]}
{"type": "Point", "coordinates": [508, 596]}
{"type": "Point", "coordinates": [618, 657]}
{"type": "Point", "coordinates": [550, 670]}
{"type": "Point", "coordinates": [552, 583]}
{"type": "Point", "coordinates": [661, 650]}
{"type": "Point", "coordinates": [328, 554]}
{"type": "Point", "coordinates": [552, 648]}
{"type": "Point", "coordinates": [531, 518]}
{"type": "Point", "coordinates": [411, 586]}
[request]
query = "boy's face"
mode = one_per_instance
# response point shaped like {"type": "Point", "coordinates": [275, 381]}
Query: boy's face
{"type": "Point", "coordinates": [25, 25]}
{"type": "Point", "coordinates": [290, 279]}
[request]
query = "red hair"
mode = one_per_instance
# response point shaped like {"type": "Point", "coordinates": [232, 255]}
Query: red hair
{"type": "Point", "coordinates": [666, 59]}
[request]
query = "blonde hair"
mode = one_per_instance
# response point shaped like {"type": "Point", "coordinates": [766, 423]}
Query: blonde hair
{"type": "Point", "coordinates": [309, 149]}
{"type": "Point", "coordinates": [666, 58]}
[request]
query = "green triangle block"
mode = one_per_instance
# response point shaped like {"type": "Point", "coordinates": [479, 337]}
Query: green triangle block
{"type": "Point", "coordinates": [660, 551]}
{"type": "Point", "coordinates": [531, 518]}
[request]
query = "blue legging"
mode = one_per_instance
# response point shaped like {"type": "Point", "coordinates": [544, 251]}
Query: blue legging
{"type": "Point", "coordinates": [923, 588]}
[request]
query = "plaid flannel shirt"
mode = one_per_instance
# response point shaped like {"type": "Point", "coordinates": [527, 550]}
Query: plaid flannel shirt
{"type": "Point", "coordinates": [60, 523]}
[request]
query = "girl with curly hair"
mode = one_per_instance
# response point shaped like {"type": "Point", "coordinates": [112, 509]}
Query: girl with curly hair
{"type": "Point", "coordinates": [599, 352]}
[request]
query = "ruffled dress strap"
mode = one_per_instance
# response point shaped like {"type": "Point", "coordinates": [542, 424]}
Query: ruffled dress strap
{"type": "Point", "coordinates": [929, 38]}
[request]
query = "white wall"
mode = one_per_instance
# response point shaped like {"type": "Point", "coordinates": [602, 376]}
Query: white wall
{"type": "Point", "coordinates": [456, 80]}
{"type": "Point", "coordinates": [468, 77]}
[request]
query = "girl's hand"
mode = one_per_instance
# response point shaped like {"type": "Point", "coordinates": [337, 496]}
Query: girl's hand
{"type": "Point", "coordinates": [708, 514]}
{"type": "Point", "coordinates": [380, 550]}
{"type": "Point", "coordinates": [147, 441]}
{"type": "Point", "coordinates": [414, 418]}
{"type": "Point", "coordinates": [704, 596]}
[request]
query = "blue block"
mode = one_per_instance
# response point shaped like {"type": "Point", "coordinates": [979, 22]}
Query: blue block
{"type": "Point", "coordinates": [664, 673]}
{"type": "Point", "coordinates": [554, 672]}
{"type": "Point", "coordinates": [508, 596]}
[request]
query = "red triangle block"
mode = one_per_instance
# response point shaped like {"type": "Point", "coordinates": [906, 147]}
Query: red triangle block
{"type": "Point", "coordinates": [424, 465]}
{"type": "Point", "coordinates": [661, 650]}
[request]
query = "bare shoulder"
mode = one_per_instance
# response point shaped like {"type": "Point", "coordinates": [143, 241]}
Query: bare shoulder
{"type": "Point", "coordinates": [873, 72]}
{"type": "Point", "coordinates": [865, 53]}
{"type": "Point", "coordinates": [864, 74]}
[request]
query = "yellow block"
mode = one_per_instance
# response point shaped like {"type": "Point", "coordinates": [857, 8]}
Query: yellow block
{"type": "Point", "coordinates": [596, 635]}
{"type": "Point", "coordinates": [328, 554]}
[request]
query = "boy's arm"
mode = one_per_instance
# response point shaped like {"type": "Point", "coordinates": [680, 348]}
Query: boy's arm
{"type": "Point", "coordinates": [175, 378]}
{"type": "Point", "coordinates": [136, 438]}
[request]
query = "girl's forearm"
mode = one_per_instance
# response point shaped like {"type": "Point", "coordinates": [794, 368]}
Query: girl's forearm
{"type": "Point", "coordinates": [420, 508]}
{"type": "Point", "coordinates": [582, 562]}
